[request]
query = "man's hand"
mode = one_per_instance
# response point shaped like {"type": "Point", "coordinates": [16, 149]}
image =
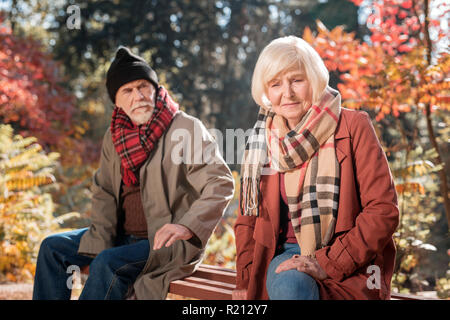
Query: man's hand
{"type": "Point", "coordinates": [240, 294]}
{"type": "Point", "coordinates": [307, 265]}
{"type": "Point", "coordinates": [169, 233]}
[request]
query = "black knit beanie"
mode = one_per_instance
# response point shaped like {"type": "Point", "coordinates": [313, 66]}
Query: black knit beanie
{"type": "Point", "coordinates": [125, 68]}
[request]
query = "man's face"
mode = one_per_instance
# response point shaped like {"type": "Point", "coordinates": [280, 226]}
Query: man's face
{"type": "Point", "coordinates": [137, 99]}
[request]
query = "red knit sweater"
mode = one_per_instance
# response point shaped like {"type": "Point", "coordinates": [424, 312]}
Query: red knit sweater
{"type": "Point", "coordinates": [287, 231]}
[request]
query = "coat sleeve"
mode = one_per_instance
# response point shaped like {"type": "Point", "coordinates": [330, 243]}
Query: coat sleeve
{"type": "Point", "coordinates": [375, 225]}
{"type": "Point", "coordinates": [245, 245]}
{"type": "Point", "coordinates": [209, 175]}
{"type": "Point", "coordinates": [103, 229]}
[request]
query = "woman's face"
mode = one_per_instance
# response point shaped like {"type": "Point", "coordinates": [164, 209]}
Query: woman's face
{"type": "Point", "coordinates": [290, 96]}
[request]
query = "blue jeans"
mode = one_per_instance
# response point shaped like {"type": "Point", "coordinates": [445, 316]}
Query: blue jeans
{"type": "Point", "coordinates": [290, 284]}
{"type": "Point", "coordinates": [111, 273]}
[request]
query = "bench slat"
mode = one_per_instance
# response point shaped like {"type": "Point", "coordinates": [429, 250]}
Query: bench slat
{"type": "Point", "coordinates": [212, 283]}
{"type": "Point", "coordinates": [208, 266]}
{"type": "Point", "coordinates": [404, 296]}
{"type": "Point", "coordinates": [199, 291]}
{"type": "Point", "coordinates": [216, 275]}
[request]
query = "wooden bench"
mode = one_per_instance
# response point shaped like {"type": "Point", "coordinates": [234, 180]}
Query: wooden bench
{"type": "Point", "coordinates": [217, 283]}
{"type": "Point", "coordinates": [206, 283]}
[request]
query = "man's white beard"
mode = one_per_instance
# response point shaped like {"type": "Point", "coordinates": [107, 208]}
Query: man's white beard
{"type": "Point", "coordinates": [142, 117]}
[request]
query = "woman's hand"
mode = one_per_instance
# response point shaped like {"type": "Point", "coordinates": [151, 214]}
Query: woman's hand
{"type": "Point", "coordinates": [307, 265]}
{"type": "Point", "coordinates": [240, 294]}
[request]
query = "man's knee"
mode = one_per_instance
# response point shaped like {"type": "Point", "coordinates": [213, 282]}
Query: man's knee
{"type": "Point", "coordinates": [101, 262]}
{"type": "Point", "coordinates": [52, 243]}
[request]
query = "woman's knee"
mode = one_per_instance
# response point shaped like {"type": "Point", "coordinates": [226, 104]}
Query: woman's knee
{"type": "Point", "coordinates": [292, 285]}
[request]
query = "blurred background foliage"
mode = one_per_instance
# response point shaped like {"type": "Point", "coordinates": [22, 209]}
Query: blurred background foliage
{"type": "Point", "coordinates": [389, 58]}
{"type": "Point", "coordinates": [26, 205]}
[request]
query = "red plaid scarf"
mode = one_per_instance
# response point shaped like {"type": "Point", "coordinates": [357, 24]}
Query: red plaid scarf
{"type": "Point", "coordinates": [135, 143]}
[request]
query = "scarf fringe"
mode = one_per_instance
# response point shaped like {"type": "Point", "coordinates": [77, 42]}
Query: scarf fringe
{"type": "Point", "coordinates": [129, 177]}
{"type": "Point", "coordinates": [249, 196]}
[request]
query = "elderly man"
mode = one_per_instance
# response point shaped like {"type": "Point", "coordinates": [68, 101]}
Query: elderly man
{"type": "Point", "coordinates": [151, 215]}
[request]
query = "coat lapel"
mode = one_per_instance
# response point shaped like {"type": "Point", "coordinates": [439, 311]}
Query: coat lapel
{"type": "Point", "coordinates": [116, 175]}
{"type": "Point", "coordinates": [340, 134]}
{"type": "Point", "coordinates": [270, 191]}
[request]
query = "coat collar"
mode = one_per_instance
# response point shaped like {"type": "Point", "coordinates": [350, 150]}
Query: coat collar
{"type": "Point", "coordinates": [340, 134]}
{"type": "Point", "coordinates": [341, 129]}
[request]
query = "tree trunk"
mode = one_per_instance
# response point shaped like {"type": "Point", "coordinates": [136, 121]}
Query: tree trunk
{"type": "Point", "coordinates": [442, 173]}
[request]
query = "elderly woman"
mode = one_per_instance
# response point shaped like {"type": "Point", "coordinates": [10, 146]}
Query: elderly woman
{"type": "Point", "coordinates": [318, 204]}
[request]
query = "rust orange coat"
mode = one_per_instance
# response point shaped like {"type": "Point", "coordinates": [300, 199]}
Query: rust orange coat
{"type": "Point", "coordinates": [367, 219]}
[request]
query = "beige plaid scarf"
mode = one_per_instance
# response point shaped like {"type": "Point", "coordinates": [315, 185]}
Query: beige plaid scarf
{"type": "Point", "coordinates": [307, 156]}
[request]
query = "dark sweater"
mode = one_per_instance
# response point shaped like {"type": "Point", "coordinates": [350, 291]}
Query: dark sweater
{"type": "Point", "coordinates": [135, 223]}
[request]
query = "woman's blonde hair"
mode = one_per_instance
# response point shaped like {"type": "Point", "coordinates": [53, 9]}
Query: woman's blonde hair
{"type": "Point", "coordinates": [286, 54]}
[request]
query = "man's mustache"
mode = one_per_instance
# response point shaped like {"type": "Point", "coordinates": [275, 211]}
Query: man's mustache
{"type": "Point", "coordinates": [142, 104]}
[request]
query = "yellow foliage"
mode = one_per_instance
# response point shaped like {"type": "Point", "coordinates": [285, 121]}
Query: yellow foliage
{"type": "Point", "coordinates": [26, 211]}
{"type": "Point", "coordinates": [410, 187]}
{"type": "Point", "coordinates": [27, 183]}
{"type": "Point", "coordinates": [443, 288]}
{"type": "Point", "coordinates": [221, 249]}
{"type": "Point", "coordinates": [409, 263]}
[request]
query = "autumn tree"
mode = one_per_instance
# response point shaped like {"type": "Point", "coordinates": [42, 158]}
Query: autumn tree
{"type": "Point", "coordinates": [32, 98]}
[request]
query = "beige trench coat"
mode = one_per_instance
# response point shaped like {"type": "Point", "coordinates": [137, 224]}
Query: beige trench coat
{"type": "Point", "coordinates": [193, 192]}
